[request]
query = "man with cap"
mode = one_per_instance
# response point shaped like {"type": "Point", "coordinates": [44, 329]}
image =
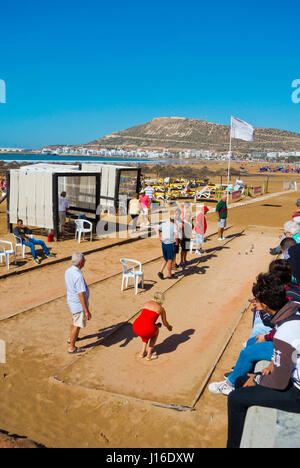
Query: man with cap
{"type": "Point", "coordinates": [200, 229]}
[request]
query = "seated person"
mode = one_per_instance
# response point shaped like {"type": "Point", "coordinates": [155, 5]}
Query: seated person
{"type": "Point", "coordinates": [285, 244]}
{"type": "Point", "coordinates": [294, 261]}
{"type": "Point", "coordinates": [278, 385]}
{"type": "Point", "coordinates": [259, 347]}
{"type": "Point", "coordinates": [296, 214]}
{"type": "Point", "coordinates": [22, 232]}
{"type": "Point", "coordinates": [291, 229]}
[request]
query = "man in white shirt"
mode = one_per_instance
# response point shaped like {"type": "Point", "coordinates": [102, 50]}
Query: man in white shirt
{"type": "Point", "coordinates": [63, 205]}
{"type": "Point", "coordinates": [77, 299]}
{"type": "Point", "coordinates": [168, 236]}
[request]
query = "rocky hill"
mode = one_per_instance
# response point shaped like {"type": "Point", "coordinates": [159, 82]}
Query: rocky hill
{"type": "Point", "coordinates": [178, 134]}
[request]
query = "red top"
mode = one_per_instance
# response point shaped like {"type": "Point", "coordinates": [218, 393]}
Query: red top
{"type": "Point", "coordinates": [201, 225]}
{"type": "Point", "coordinates": [145, 200]}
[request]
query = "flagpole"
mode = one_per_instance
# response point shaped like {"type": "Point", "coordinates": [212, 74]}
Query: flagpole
{"type": "Point", "coordinates": [229, 161]}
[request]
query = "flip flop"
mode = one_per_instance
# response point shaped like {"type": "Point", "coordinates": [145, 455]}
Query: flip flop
{"type": "Point", "coordinates": [76, 351]}
{"type": "Point", "coordinates": [154, 356]}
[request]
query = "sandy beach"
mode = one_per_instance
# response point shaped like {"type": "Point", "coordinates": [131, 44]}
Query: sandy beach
{"type": "Point", "coordinates": [109, 397]}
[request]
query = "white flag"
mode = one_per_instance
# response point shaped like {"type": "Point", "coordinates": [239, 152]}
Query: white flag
{"type": "Point", "coordinates": [241, 129]}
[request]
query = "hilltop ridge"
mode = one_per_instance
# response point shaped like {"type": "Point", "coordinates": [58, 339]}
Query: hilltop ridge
{"type": "Point", "coordinates": [182, 133]}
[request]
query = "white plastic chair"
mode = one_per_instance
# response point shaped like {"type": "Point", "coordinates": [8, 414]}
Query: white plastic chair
{"type": "Point", "coordinates": [6, 252]}
{"type": "Point", "coordinates": [129, 271]}
{"type": "Point", "coordinates": [204, 193]}
{"type": "Point", "coordinates": [20, 244]}
{"type": "Point", "coordinates": [81, 229]}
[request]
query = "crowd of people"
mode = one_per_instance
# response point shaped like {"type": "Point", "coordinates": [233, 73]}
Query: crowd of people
{"type": "Point", "coordinates": [174, 233]}
{"type": "Point", "coordinates": [275, 337]}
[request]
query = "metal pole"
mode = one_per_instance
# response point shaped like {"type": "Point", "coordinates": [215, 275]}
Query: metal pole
{"type": "Point", "coordinates": [229, 161]}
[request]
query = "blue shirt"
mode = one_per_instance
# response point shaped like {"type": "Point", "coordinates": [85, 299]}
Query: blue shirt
{"type": "Point", "coordinates": [75, 284]}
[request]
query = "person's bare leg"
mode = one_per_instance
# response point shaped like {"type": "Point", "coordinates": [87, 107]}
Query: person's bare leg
{"type": "Point", "coordinates": [74, 333]}
{"type": "Point", "coordinates": [163, 266]}
{"type": "Point", "coordinates": [169, 267]}
{"type": "Point", "coordinates": [152, 343]}
{"type": "Point", "coordinates": [144, 350]}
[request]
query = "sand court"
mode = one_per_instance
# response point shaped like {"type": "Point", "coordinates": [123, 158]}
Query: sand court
{"type": "Point", "coordinates": [57, 414]}
{"type": "Point", "coordinates": [200, 328]}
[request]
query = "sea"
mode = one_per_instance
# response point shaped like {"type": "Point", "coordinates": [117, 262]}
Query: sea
{"type": "Point", "coordinates": [79, 158]}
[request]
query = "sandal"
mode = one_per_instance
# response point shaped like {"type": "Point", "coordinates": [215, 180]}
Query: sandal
{"type": "Point", "coordinates": [153, 356]}
{"type": "Point", "coordinates": [76, 351]}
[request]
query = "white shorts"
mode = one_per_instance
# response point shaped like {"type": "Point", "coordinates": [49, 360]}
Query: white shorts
{"type": "Point", "coordinates": [79, 320]}
{"type": "Point", "coordinates": [222, 223]}
{"type": "Point", "coordinates": [144, 210]}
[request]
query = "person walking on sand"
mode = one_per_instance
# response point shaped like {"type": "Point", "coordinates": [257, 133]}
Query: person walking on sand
{"type": "Point", "coordinates": [221, 210]}
{"type": "Point", "coordinates": [78, 300]}
{"type": "Point", "coordinates": [147, 329]}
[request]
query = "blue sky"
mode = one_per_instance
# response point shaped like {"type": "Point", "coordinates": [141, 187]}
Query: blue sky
{"type": "Point", "coordinates": [76, 71]}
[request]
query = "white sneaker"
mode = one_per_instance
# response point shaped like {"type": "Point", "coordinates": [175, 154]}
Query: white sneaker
{"type": "Point", "coordinates": [197, 252]}
{"type": "Point", "coordinates": [220, 238]}
{"type": "Point", "coordinates": [220, 387]}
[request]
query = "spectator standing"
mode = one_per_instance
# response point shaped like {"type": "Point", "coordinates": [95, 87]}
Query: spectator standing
{"type": "Point", "coordinates": [134, 210]}
{"type": "Point", "coordinates": [168, 236]}
{"type": "Point", "coordinates": [179, 228]}
{"type": "Point", "coordinates": [150, 191]}
{"type": "Point", "coordinates": [187, 234]}
{"type": "Point", "coordinates": [144, 204]}
{"type": "Point", "coordinates": [200, 229]}
{"type": "Point", "coordinates": [63, 206]}
{"type": "Point", "coordinates": [77, 299]}
{"type": "Point", "coordinates": [222, 211]}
